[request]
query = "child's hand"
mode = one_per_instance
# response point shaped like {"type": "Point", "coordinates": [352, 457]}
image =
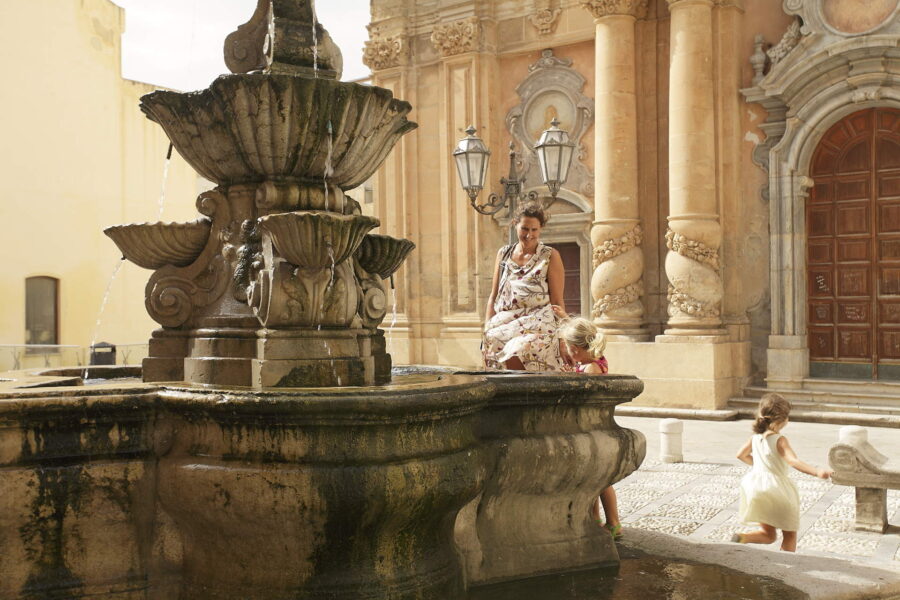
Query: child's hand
{"type": "Point", "coordinates": [824, 473]}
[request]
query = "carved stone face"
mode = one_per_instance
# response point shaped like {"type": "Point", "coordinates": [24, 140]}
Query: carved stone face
{"type": "Point", "coordinates": [857, 16]}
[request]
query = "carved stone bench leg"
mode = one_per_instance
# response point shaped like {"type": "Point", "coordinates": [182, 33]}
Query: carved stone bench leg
{"type": "Point", "coordinates": [871, 509]}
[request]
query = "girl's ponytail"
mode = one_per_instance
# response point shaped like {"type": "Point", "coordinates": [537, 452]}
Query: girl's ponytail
{"type": "Point", "coordinates": [772, 408]}
{"type": "Point", "coordinates": [581, 333]}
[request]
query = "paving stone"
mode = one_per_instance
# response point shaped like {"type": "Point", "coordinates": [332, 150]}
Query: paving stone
{"type": "Point", "coordinates": [685, 467]}
{"type": "Point", "coordinates": [832, 525]}
{"type": "Point", "coordinates": [855, 545]}
{"type": "Point", "coordinates": [664, 525]}
{"type": "Point", "coordinates": [686, 511]}
{"type": "Point", "coordinates": [724, 532]}
{"type": "Point", "coordinates": [710, 500]}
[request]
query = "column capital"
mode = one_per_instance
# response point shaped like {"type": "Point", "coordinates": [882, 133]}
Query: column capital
{"type": "Point", "coordinates": [605, 8]}
{"type": "Point", "coordinates": [684, 3]}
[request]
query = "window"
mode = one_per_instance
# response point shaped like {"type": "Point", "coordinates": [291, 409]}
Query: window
{"type": "Point", "coordinates": [41, 310]}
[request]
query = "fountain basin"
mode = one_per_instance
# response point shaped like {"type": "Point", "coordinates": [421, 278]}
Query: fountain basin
{"type": "Point", "coordinates": [383, 254]}
{"type": "Point", "coordinates": [184, 492]}
{"type": "Point", "coordinates": [316, 240]}
{"type": "Point", "coordinates": [250, 128]}
{"type": "Point", "coordinates": [155, 245]}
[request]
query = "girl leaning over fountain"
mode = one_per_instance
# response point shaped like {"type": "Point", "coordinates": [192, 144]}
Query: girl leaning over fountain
{"type": "Point", "coordinates": [521, 327]}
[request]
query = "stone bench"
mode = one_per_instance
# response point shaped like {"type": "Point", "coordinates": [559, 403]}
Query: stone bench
{"type": "Point", "coordinates": [858, 464]}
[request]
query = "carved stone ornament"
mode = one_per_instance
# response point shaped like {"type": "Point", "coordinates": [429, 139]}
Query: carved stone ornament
{"type": "Point", "coordinates": [544, 17]}
{"type": "Point", "coordinates": [684, 303]}
{"type": "Point", "coordinates": [692, 249]}
{"type": "Point", "coordinates": [605, 8]}
{"type": "Point", "coordinates": [385, 53]}
{"type": "Point", "coordinates": [552, 89]}
{"type": "Point", "coordinates": [619, 299]}
{"type": "Point", "coordinates": [788, 42]}
{"type": "Point", "coordinates": [609, 249]}
{"type": "Point", "coordinates": [457, 37]}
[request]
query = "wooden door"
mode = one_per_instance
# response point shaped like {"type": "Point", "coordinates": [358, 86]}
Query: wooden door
{"type": "Point", "coordinates": [853, 248]}
{"type": "Point", "coordinates": [571, 257]}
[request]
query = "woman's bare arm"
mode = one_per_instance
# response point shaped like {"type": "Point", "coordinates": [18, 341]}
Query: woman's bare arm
{"type": "Point", "coordinates": [495, 283]}
{"type": "Point", "coordinates": [785, 450]}
{"type": "Point", "coordinates": [556, 280]}
{"type": "Point", "coordinates": [744, 454]}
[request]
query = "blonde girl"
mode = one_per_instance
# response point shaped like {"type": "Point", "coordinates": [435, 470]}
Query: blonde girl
{"type": "Point", "coordinates": [768, 496]}
{"type": "Point", "coordinates": [586, 346]}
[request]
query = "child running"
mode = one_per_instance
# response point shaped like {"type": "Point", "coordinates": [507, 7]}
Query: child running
{"type": "Point", "coordinates": [768, 496]}
{"type": "Point", "coordinates": [586, 345]}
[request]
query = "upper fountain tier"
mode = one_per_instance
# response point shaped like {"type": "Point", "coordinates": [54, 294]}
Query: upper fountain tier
{"type": "Point", "coordinates": [257, 127]}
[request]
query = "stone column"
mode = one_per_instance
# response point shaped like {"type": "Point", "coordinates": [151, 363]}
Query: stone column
{"type": "Point", "coordinates": [695, 234]}
{"type": "Point", "coordinates": [617, 283]}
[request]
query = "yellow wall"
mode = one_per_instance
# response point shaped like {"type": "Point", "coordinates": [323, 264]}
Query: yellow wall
{"type": "Point", "coordinates": [78, 156]}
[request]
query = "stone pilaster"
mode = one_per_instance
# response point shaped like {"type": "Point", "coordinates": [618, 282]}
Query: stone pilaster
{"type": "Point", "coordinates": [618, 261]}
{"type": "Point", "coordinates": [695, 233]}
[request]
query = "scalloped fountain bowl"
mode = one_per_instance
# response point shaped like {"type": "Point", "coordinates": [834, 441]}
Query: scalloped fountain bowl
{"type": "Point", "coordinates": [249, 128]}
{"type": "Point", "coordinates": [155, 245]}
{"type": "Point", "coordinates": [383, 254]}
{"type": "Point", "coordinates": [304, 237]}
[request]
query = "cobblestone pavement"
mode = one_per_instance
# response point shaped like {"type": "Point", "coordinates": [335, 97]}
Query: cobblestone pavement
{"type": "Point", "coordinates": [698, 499]}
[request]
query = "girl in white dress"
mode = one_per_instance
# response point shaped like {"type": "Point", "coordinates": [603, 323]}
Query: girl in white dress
{"type": "Point", "coordinates": [768, 496]}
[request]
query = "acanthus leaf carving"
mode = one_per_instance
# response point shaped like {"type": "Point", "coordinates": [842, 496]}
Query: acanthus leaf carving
{"type": "Point", "coordinates": [385, 53]}
{"type": "Point", "coordinates": [605, 8]}
{"type": "Point", "coordinates": [457, 37]}
{"type": "Point", "coordinates": [788, 42]}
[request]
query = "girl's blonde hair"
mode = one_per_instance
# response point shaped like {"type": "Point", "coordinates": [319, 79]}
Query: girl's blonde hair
{"type": "Point", "coordinates": [772, 409]}
{"type": "Point", "coordinates": [581, 333]}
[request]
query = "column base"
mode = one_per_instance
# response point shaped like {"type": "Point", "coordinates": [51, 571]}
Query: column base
{"type": "Point", "coordinates": [698, 372]}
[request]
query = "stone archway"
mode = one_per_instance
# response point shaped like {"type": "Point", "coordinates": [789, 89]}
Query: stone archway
{"type": "Point", "coordinates": [853, 248]}
{"type": "Point", "coordinates": [816, 77]}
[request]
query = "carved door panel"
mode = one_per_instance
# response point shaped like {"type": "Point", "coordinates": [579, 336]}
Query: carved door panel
{"type": "Point", "coordinates": [853, 248]}
{"type": "Point", "coordinates": [571, 257]}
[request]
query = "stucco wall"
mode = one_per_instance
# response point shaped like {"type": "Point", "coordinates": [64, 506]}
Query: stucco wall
{"type": "Point", "coordinates": [78, 156]}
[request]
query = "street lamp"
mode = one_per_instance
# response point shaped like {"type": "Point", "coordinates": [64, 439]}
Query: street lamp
{"type": "Point", "coordinates": [554, 151]}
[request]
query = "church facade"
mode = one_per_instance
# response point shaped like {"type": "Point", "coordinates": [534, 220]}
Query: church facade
{"type": "Point", "coordinates": [730, 219]}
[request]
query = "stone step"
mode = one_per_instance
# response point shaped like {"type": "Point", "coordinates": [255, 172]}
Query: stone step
{"type": "Point", "coordinates": [875, 396]}
{"type": "Point", "coordinates": [838, 414]}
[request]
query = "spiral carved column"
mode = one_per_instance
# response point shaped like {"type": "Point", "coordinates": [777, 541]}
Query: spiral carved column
{"type": "Point", "coordinates": [695, 235]}
{"type": "Point", "coordinates": [617, 282]}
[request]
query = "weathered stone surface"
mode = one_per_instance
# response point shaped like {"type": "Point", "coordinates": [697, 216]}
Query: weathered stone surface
{"type": "Point", "coordinates": [857, 463]}
{"type": "Point", "coordinates": [135, 491]}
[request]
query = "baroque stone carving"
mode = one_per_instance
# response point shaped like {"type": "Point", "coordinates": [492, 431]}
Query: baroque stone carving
{"type": "Point", "coordinates": [552, 89]}
{"type": "Point", "coordinates": [617, 282]}
{"type": "Point", "coordinates": [249, 48]}
{"type": "Point", "coordinates": [457, 37]}
{"type": "Point", "coordinates": [544, 17]}
{"type": "Point", "coordinates": [692, 249]}
{"type": "Point", "coordinates": [385, 53]}
{"type": "Point", "coordinates": [604, 8]}
{"type": "Point", "coordinates": [693, 267]}
{"type": "Point", "coordinates": [788, 42]}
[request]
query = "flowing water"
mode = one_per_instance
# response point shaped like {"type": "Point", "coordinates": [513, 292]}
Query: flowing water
{"type": "Point", "coordinates": [165, 178]}
{"type": "Point", "coordinates": [328, 168]}
{"type": "Point", "coordinates": [393, 309]}
{"type": "Point", "coordinates": [96, 333]}
{"type": "Point", "coordinates": [315, 46]}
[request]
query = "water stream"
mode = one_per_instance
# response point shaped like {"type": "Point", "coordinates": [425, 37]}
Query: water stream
{"type": "Point", "coordinates": [315, 48]}
{"type": "Point", "coordinates": [165, 178]}
{"type": "Point", "coordinates": [96, 333]}
{"type": "Point", "coordinates": [328, 167]}
{"type": "Point", "coordinates": [393, 309]}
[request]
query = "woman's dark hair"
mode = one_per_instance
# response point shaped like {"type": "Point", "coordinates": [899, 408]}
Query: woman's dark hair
{"type": "Point", "coordinates": [772, 409]}
{"type": "Point", "coordinates": [532, 210]}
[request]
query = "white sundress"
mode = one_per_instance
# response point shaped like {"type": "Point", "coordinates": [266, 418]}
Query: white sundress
{"type": "Point", "coordinates": [767, 493]}
{"type": "Point", "coordinates": [524, 324]}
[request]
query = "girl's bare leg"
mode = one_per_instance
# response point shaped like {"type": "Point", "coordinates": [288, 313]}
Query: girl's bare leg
{"type": "Point", "coordinates": [789, 541]}
{"type": "Point", "coordinates": [765, 535]}
{"type": "Point", "coordinates": [514, 364]}
{"type": "Point", "coordinates": [610, 505]}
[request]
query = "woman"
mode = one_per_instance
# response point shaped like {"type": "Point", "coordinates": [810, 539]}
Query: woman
{"type": "Point", "coordinates": [520, 324]}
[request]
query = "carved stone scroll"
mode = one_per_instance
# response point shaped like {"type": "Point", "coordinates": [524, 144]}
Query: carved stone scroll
{"type": "Point", "coordinates": [457, 37]}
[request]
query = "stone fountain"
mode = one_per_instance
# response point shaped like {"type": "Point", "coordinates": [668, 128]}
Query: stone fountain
{"type": "Point", "coordinates": [268, 454]}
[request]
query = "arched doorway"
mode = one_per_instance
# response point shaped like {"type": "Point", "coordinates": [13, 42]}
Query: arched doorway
{"type": "Point", "coordinates": [853, 248]}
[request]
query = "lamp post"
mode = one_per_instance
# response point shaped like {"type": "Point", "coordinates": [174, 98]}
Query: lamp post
{"type": "Point", "coordinates": [554, 150]}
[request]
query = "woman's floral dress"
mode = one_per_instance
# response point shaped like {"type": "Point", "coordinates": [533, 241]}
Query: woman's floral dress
{"type": "Point", "coordinates": [524, 324]}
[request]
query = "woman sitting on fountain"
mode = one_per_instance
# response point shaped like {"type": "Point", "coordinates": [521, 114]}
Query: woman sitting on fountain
{"type": "Point", "coordinates": [520, 330]}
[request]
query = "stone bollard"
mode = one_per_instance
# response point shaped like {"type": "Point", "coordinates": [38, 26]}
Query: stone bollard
{"type": "Point", "coordinates": [670, 431]}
